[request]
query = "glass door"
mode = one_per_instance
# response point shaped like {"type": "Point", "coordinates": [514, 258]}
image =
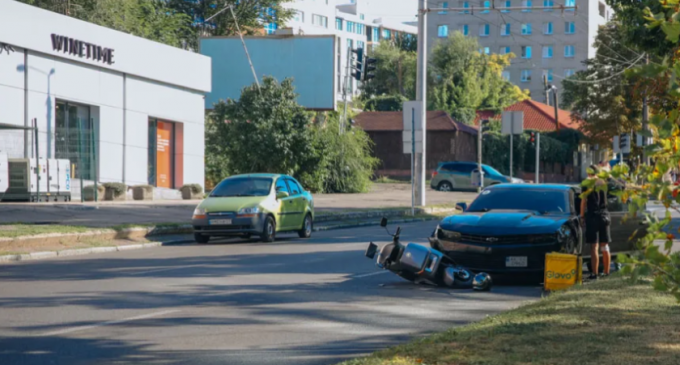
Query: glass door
{"type": "Point", "coordinates": [73, 134]}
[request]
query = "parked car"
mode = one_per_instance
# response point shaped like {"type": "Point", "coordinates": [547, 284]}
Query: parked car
{"type": "Point", "coordinates": [451, 176]}
{"type": "Point", "coordinates": [509, 228]}
{"type": "Point", "coordinates": [254, 205]}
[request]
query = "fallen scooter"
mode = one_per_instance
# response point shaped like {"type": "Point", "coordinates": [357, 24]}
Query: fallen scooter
{"type": "Point", "coordinates": [424, 265]}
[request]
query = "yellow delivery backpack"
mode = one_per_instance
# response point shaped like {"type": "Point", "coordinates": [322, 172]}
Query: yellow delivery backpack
{"type": "Point", "coordinates": [562, 270]}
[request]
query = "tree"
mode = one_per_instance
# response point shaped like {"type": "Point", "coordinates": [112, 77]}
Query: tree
{"type": "Point", "coordinates": [385, 103]}
{"type": "Point", "coordinates": [150, 19]}
{"type": "Point", "coordinates": [251, 15]}
{"type": "Point", "coordinates": [608, 102]}
{"type": "Point", "coordinates": [395, 72]}
{"type": "Point", "coordinates": [462, 79]}
{"type": "Point", "coordinates": [631, 15]}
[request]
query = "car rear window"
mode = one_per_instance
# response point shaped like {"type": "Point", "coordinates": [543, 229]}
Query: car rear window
{"type": "Point", "coordinates": [540, 200]}
{"type": "Point", "coordinates": [243, 186]}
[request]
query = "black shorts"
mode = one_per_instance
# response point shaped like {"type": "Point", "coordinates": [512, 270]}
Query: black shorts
{"type": "Point", "coordinates": [597, 229]}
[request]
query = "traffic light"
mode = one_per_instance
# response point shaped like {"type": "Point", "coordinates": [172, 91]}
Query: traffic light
{"type": "Point", "coordinates": [485, 126]}
{"type": "Point", "coordinates": [624, 143]}
{"type": "Point", "coordinates": [532, 139]}
{"type": "Point", "coordinates": [369, 70]}
{"type": "Point", "coordinates": [358, 67]}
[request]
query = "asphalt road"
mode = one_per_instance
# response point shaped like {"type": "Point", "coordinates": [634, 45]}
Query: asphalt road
{"type": "Point", "coordinates": [303, 302]}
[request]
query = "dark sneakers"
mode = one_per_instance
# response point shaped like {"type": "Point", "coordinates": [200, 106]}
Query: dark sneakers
{"type": "Point", "coordinates": [592, 277]}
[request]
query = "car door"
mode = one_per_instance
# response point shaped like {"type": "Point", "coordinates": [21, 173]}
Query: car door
{"type": "Point", "coordinates": [283, 220]}
{"type": "Point", "coordinates": [299, 202]}
{"type": "Point", "coordinates": [460, 173]}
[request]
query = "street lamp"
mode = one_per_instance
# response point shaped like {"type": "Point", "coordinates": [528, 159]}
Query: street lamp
{"type": "Point", "coordinates": [48, 104]}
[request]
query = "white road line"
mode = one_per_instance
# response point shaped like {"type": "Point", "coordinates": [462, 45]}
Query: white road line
{"type": "Point", "coordinates": [107, 323]}
{"type": "Point", "coordinates": [370, 274]}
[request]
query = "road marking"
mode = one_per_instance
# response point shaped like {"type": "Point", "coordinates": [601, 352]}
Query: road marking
{"type": "Point", "coordinates": [163, 269]}
{"type": "Point", "coordinates": [370, 274]}
{"type": "Point", "coordinates": [107, 323]}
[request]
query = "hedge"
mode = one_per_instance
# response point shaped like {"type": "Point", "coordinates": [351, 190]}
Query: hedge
{"type": "Point", "coordinates": [496, 147]}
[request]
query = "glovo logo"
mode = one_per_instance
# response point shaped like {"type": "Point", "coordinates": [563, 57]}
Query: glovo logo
{"type": "Point", "coordinates": [561, 275]}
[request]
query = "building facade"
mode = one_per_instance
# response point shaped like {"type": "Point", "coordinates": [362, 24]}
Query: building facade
{"type": "Point", "coordinates": [551, 42]}
{"type": "Point", "coordinates": [119, 107]}
{"type": "Point", "coordinates": [355, 23]}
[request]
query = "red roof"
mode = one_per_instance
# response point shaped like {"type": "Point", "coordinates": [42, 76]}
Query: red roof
{"type": "Point", "coordinates": [537, 116]}
{"type": "Point", "coordinates": [393, 121]}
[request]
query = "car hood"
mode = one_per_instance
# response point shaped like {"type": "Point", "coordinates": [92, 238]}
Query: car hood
{"type": "Point", "coordinates": [504, 223]}
{"type": "Point", "coordinates": [231, 204]}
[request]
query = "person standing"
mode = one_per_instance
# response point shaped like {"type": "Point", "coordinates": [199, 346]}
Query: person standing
{"type": "Point", "coordinates": [595, 215]}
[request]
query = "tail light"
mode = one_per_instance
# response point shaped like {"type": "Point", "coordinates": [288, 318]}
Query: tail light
{"type": "Point", "coordinates": [434, 173]}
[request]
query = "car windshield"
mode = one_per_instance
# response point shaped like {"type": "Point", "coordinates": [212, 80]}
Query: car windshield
{"type": "Point", "coordinates": [540, 200]}
{"type": "Point", "coordinates": [243, 186]}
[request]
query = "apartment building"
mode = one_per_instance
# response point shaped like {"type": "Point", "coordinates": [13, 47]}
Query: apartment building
{"type": "Point", "coordinates": [551, 42]}
{"type": "Point", "coordinates": [355, 23]}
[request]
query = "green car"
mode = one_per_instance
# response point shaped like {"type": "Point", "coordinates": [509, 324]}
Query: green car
{"type": "Point", "coordinates": [254, 205]}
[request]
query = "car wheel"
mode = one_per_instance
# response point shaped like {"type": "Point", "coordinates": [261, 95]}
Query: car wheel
{"type": "Point", "coordinates": [445, 186]}
{"type": "Point", "coordinates": [269, 230]}
{"type": "Point", "coordinates": [306, 230]}
{"type": "Point", "coordinates": [199, 238]}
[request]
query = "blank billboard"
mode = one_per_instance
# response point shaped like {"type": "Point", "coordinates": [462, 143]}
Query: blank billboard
{"type": "Point", "coordinates": [308, 60]}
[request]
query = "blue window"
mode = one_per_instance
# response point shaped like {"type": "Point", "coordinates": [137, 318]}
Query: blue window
{"type": "Point", "coordinates": [527, 4]}
{"type": "Point", "coordinates": [526, 51]}
{"type": "Point", "coordinates": [360, 44]}
{"type": "Point", "coordinates": [548, 4]}
{"type": "Point", "coordinates": [338, 23]}
{"type": "Point", "coordinates": [526, 29]}
{"type": "Point", "coordinates": [548, 28]}
{"type": "Point", "coordinates": [505, 29]}
{"type": "Point", "coordinates": [484, 30]}
{"type": "Point", "coordinates": [569, 28]}
{"type": "Point", "coordinates": [485, 50]}
{"type": "Point", "coordinates": [350, 43]}
{"type": "Point", "coordinates": [570, 3]}
{"type": "Point", "coordinates": [270, 28]}
{"type": "Point", "coordinates": [569, 51]}
{"type": "Point", "coordinates": [505, 50]}
{"type": "Point", "coordinates": [526, 75]}
{"type": "Point", "coordinates": [466, 29]}
{"type": "Point", "coordinates": [486, 5]}
{"type": "Point", "coordinates": [350, 26]}
{"type": "Point", "coordinates": [361, 16]}
{"type": "Point", "coordinates": [376, 34]}
{"type": "Point", "coordinates": [549, 74]}
{"type": "Point", "coordinates": [466, 5]}
{"type": "Point", "coordinates": [443, 5]}
{"type": "Point", "coordinates": [506, 4]}
{"type": "Point", "coordinates": [386, 34]}
{"type": "Point", "coordinates": [569, 72]}
{"type": "Point", "coordinates": [547, 51]}
{"type": "Point", "coordinates": [506, 75]}
{"type": "Point", "coordinates": [360, 29]}
{"type": "Point", "coordinates": [443, 31]}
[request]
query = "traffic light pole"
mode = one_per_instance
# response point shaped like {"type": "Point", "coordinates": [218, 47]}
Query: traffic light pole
{"type": "Point", "coordinates": [345, 91]}
{"type": "Point", "coordinates": [421, 96]}
{"type": "Point", "coordinates": [480, 138]}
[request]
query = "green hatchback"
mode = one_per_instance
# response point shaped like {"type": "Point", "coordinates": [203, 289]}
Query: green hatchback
{"type": "Point", "coordinates": [254, 205]}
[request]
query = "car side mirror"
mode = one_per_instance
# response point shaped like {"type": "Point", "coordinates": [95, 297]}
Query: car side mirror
{"type": "Point", "coordinates": [383, 222]}
{"type": "Point", "coordinates": [461, 206]}
{"type": "Point", "coordinates": [282, 194]}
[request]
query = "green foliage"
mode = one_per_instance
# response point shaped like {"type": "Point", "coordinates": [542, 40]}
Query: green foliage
{"type": "Point", "coordinates": [116, 187]}
{"type": "Point", "coordinates": [613, 104]}
{"type": "Point", "coordinates": [464, 115]}
{"type": "Point", "coordinates": [462, 77]}
{"type": "Point", "coordinates": [571, 137]}
{"type": "Point", "coordinates": [385, 103]}
{"type": "Point", "coordinates": [633, 17]}
{"type": "Point", "coordinates": [267, 131]}
{"type": "Point", "coordinates": [496, 147]}
{"type": "Point", "coordinates": [395, 72]}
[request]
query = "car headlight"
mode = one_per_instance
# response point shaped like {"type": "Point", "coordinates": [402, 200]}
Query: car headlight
{"type": "Point", "coordinates": [449, 235]}
{"type": "Point", "coordinates": [249, 211]}
{"type": "Point", "coordinates": [199, 213]}
{"type": "Point", "coordinates": [564, 234]}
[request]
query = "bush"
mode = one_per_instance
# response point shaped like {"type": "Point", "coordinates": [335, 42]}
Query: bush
{"type": "Point", "coordinates": [194, 188]}
{"type": "Point", "coordinates": [464, 115]}
{"type": "Point", "coordinates": [385, 103]}
{"type": "Point", "coordinates": [496, 147]}
{"type": "Point", "coordinates": [117, 188]}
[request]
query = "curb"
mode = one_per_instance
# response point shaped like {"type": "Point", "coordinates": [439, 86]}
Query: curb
{"type": "Point", "coordinates": [84, 251]}
{"type": "Point", "coordinates": [368, 224]}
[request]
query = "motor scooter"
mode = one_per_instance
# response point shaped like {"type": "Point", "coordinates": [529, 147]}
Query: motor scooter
{"type": "Point", "coordinates": [424, 265]}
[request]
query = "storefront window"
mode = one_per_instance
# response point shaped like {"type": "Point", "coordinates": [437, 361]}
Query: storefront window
{"type": "Point", "coordinates": [161, 167]}
{"type": "Point", "coordinates": [74, 136]}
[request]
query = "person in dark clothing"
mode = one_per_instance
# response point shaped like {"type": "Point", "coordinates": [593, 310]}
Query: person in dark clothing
{"type": "Point", "coordinates": [595, 215]}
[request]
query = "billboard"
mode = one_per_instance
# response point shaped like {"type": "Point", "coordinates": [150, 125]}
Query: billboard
{"type": "Point", "coordinates": [309, 60]}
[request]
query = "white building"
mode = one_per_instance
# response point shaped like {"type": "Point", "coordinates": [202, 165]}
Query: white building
{"type": "Point", "coordinates": [141, 101]}
{"type": "Point", "coordinates": [355, 23]}
{"type": "Point", "coordinates": [549, 42]}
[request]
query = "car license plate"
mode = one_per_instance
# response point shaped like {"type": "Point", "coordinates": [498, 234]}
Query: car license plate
{"type": "Point", "coordinates": [516, 261]}
{"type": "Point", "coordinates": [220, 222]}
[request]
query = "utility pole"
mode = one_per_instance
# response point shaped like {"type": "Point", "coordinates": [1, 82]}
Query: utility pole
{"type": "Point", "coordinates": [547, 89]}
{"type": "Point", "coordinates": [538, 153]}
{"type": "Point", "coordinates": [557, 118]}
{"type": "Point", "coordinates": [345, 90]}
{"type": "Point", "coordinates": [645, 118]}
{"type": "Point", "coordinates": [421, 96]}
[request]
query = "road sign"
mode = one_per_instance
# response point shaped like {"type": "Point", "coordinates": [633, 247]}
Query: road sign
{"type": "Point", "coordinates": [412, 136]}
{"type": "Point", "coordinates": [512, 122]}
{"type": "Point", "coordinates": [409, 107]}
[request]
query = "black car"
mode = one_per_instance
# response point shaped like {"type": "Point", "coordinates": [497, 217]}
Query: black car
{"type": "Point", "coordinates": [509, 228]}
